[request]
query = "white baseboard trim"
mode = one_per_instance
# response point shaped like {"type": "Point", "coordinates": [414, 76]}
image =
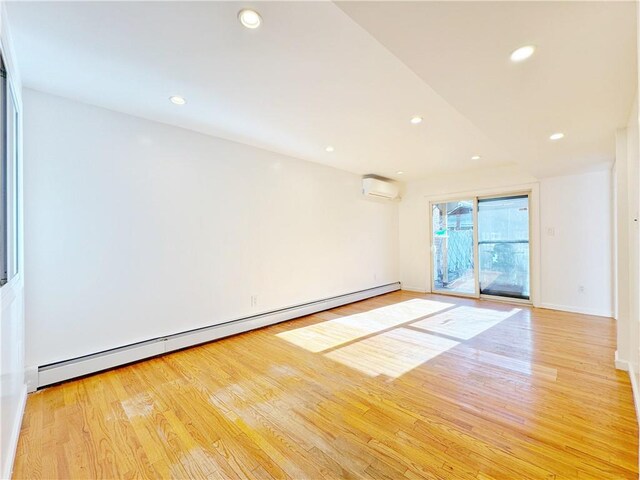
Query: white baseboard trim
{"type": "Point", "coordinates": [7, 466]}
{"type": "Point", "coordinates": [583, 311]}
{"type": "Point", "coordinates": [414, 289]}
{"type": "Point", "coordinates": [631, 368]}
{"type": "Point", "coordinates": [76, 367]}
{"type": "Point", "coordinates": [634, 386]}
{"type": "Point", "coordinates": [621, 364]}
{"type": "Point", "coordinates": [31, 377]}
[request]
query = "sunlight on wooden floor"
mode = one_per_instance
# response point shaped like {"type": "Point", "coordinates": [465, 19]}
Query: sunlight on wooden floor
{"type": "Point", "coordinates": [332, 333]}
{"type": "Point", "coordinates": [516, 365]}
{"type": "Point", "coordinates": [533, 395]}
{"type": "Point", "coordinates": [391, 353]}
{"type": "Point", "coordinates": [395, 339]}
{"type": "Point", "coordinates": [464, 322]}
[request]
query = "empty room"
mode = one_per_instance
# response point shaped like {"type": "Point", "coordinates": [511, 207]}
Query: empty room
{"type": "Point", "coordinates": [319, 240]}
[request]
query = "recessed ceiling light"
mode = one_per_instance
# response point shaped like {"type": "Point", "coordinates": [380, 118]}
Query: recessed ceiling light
{"type": "Point", "coordinates": [178, 100]}
{"type": "Point", "coordinates": [522, 53]}
{"type": "Point", "coordinates": [249, 18]}
{"type": "Point", "coordinates": [329, 149]}
{"type": "Point", "coordinates": [400, 172]}
{"type": "Point", "coordinates": [475, 157]}
{"type": "Point", "coordinates": [556, 136]}
{"type": "Point", "coordinates": [416, 120]}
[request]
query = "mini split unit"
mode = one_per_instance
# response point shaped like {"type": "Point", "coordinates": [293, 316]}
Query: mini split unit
{"type": "Point", "coordinates": [379, 188]}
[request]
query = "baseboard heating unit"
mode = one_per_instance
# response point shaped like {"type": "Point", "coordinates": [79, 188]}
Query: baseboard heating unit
{"type": "Point", "coordinates": [77, 367]}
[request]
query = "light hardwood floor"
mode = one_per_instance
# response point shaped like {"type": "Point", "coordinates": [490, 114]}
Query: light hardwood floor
{"type": "Point", "coordinates": [399, 386]}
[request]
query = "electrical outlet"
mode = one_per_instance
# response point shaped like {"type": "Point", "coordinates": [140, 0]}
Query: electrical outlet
{"type": "Point", "coordinates": [580, 288]}
{"type": "Point", "coordinates": [254, 300]}
{"type": "Point", "coordinates": [551, 231]}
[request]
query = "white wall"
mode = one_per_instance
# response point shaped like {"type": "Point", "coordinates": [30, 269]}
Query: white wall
{"type": "Point", "coordinates": [622, 223]}
{"type": "Point", "coordinates": [627, 241]}
{"type": "Point", "coordinates": [633, 214]}
{"type": "Point", "coordinates": [558, 263]}
{"type": "Point", "coordinates": [136, 229]}
{"type": "Point", "coordinates": [13, 390]}
{"type": "Point", "coordinates": [626, 208]}
{"type": "Point", "coordinates": [627, 180]}
{"type": "Point", "coordinates": [576, 243]}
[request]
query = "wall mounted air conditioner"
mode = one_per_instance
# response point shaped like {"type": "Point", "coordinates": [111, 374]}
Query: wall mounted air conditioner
{"type": "Point", "coordinates": [379, 188]}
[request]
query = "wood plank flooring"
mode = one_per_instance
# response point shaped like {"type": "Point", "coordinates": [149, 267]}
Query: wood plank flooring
{"type": "Point", "coordinates": [399, 386]}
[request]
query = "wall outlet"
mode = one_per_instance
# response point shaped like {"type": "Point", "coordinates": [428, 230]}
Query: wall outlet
{"type": "Point", "coordinates": [551, 231]}
{"type": "Point", "coordinates": [254, 300]}
{"type": "Point", "coordinates": [580, 288]}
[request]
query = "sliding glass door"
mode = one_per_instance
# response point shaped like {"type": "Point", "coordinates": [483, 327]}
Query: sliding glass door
{"type": "Point", "coordinates": [503, 246]}
{"type": "Point", "coordinates": [453, 247]}
{"type": "Point", "coordinates": [481, 246]}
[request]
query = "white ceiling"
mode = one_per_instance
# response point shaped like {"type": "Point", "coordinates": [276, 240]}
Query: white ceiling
{"type": "Point", "coordinates": [581, 80]}
{"type": "Point", "coordinates": [352, 75]}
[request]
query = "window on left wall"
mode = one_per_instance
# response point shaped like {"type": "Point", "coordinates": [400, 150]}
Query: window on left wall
{"type": "Point", "coordinates": [9, 179]}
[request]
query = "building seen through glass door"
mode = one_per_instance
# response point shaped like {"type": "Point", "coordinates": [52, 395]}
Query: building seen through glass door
{"type": "Point", "coordinates": [480, 246]}
{"type": "Point", "coordinates": [503, 246]}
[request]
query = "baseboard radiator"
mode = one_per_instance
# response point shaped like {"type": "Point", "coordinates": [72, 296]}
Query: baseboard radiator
{"type": "Point", "coordinates": [77, 367]}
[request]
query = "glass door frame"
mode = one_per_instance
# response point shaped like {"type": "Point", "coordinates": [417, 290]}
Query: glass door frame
{"type": "Point", "coordinates": [476, 278]}
{"type": "Point", "coordinates": [476, 269]}
{"type": "Point", "coordinates": [525, 301]}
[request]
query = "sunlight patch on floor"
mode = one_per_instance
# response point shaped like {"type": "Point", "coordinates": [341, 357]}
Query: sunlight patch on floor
{"type": "Point", "coordinates": [391, 353]}
{"type": "Point", "coordinates": [332, 333]}
{"type": "Point", "coordinates": [514, 364]}
{"type": "Point", "coordinates": [464, 322]}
